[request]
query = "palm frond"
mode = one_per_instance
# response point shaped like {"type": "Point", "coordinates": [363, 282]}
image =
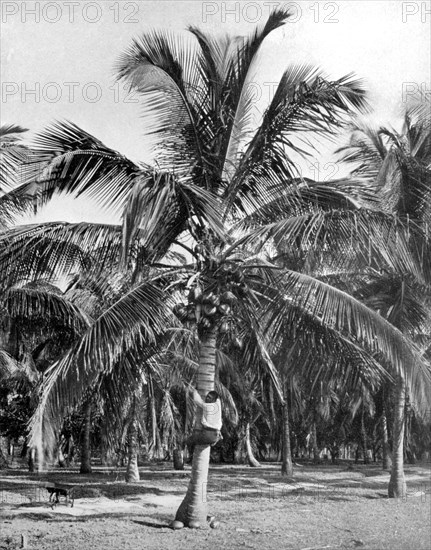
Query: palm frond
{"type": "Point", "coordinates": [236, 102]}
{"type": "Point", "coordinates": [159, 67]}
{"type": "Point", "coordinates": [139, 316]}
{"type": "Point", "coordinates": [398, 298]}
{"type": "Point", "coordinates": [359, 324]}
{"type": "Point", "coordinates": [365, 151]}
{"type": "Point", "coordinates": [8, 365]}
{"type": "Point", "coordinates": [36, 303]}
{"type": "Point", "coordinates": [65, 158]}
{"type": "Point", "coordinates": [369, 237]}
{"type": "Point", "coordinates": [56, 249]}
{"type": "Point", "coordinates": [304, 103]}
{"type": "Point", "coordinates": [162, 207]}
{"type": "Point", "coordinates": [12, 156]}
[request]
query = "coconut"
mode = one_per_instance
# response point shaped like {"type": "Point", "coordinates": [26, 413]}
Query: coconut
{"type": "Point", "coordinates": [227, 297]}
{"type": "Point", "coordinates": [215, 524]}
{"type": "Point", "coordinates": [224, 327]}
{"type": "Point", "coordinates": [210, 310]}
{"type": "Point", "coordinates": [194, 524]}
{"type": "Point", "coordinates": [208, 297]}
{"type": "Point", "coordinates": [200, 249]}
{"type": "Point", "coordinates": [224, 309]}
{"type": "Point", "coordinates": [176, 524]}
{"type": "Point", "coordinates": [215, 300]}
{"type": "Point", "coordinates": [205, 323]}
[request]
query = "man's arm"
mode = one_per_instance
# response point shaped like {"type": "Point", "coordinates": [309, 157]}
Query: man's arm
{"type": "Point", "coordinates": [197, 398]}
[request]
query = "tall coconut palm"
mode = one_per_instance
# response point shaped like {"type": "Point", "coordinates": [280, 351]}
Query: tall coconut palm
{"type": "Point", "coordinates": [401, 301]}
{"type": "Point", "coordinates": [222, 194]}
{"type": "Point", "coordinates": [398, 164]}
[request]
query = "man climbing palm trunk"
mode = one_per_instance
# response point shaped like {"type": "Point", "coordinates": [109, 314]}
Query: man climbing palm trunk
{"type": "Point", "coordinates": [193, 509]}
{"type": "Point", "coordinates": [208, 420]}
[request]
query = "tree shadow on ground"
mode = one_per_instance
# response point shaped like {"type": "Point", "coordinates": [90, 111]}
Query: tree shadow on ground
{"type": "Point", "coordinates": [151, 524]}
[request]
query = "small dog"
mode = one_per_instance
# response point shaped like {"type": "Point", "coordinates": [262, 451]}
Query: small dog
{"type": "Point", "coordinates": [58, 490]}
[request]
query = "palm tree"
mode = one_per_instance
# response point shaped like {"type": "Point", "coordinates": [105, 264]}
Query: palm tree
{"type": "Point", "coordinates": [399, 166]}
{"type": "Point", "coordinates": [222, 194]}
{"type": "Point", "coordinates": [38, 324]}
{"type": "Point", "coordinates": [17, 383]}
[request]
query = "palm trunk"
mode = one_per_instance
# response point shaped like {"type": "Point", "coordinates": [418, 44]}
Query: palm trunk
{"type": "Point", "coordinates": [178, 456]}
{"type": "Point", "coordinates": [238, 453]}
{"type": "Point", "coordinates": [250, 456]}
{"type": "Point", "coordinates": [286, 464]}
{"type": "Point", "coordinates": [132, 472]}
{"type": "Point", "coordinates": [387, 459]}
{"type": "Point", "coordinates": [397, 484]}
{"type": "Point", "coordinates": [60, 458]}
{"type": "Point", "coordinates": [194, 505]}
{"type": "Point", "coordinates": [70, 451]}
{"type": "Point", "coordinates": [31, 459]}
{"type": "Point", "coordinates": [408, 446]}
{"type": "Point", "coordinates": [314, 445]}
{"type": "Point", "coordinates": [3, 461]}
{"type": "Point", "coordinates": [85, 440]}
{"type": "Point", "coordinates": [364, 438]}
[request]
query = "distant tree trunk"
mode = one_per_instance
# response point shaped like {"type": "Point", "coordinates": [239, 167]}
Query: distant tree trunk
{"type": "Point", "coordinates": [314, 446]}
{"type": "Point", "coordinates": [397, 484]}
{"type": "Point", "coordinates": [69, 450]}
{"type": "Point", "coordinates": [105, 458]}
{"type": "Point", "coordinates": [387, 459]}
{"type": "Point", "coordinates": [178, 456]}
{"type": "Point", "coordinates": [364, 438]}
{"type": "Point", "coordinates": [334, 450]}
{"type": "Point", "coordinates": [250, 456]}
{"type": "Point", "coordinates": [294, 450]}
{"type": "Point", "coordinates": [132, 472]}
{"type": "Point", "coordinates": [60, 458]}
{"type": "Point", "coordinates": [31, 459]}
{"type": "Point", "coordinates": [85, 439]}
{"type": "Point", "coordinates": [3, 460]}
{"type": "Point", "coordinates": [238, 452]}
{"type": "Point", "coordinates": [408, 447]}
{"type": "Point", "coordinates": [286, 457]}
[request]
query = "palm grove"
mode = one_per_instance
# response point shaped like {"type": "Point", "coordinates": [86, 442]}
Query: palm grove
{"type": "Point", "coordinates": [304, 304]}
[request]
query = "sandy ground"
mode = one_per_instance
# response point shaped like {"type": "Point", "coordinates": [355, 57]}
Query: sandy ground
{"type": "Point", "coordinates": [325, 507]}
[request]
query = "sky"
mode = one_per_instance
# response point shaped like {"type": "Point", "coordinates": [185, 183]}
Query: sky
{"type": "Point", "coordinates": [58, 59]}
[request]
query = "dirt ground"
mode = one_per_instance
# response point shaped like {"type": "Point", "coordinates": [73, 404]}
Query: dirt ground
{"type": "Point", "coordinates": [324, 507]}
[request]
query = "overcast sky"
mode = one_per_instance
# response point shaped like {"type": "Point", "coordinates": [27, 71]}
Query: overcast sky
{"type": "Point", "coordinates": [58, 58]}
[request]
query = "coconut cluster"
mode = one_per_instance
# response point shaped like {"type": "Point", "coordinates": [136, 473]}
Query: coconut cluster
{"type": "Point", "coordinates": [211, 305]}
{"type": "Point", "coordinates": [206, 309]}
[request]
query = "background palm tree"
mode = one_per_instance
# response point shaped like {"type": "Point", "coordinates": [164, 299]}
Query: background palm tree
{"type": "Point", "coordinates": [399, 166]}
